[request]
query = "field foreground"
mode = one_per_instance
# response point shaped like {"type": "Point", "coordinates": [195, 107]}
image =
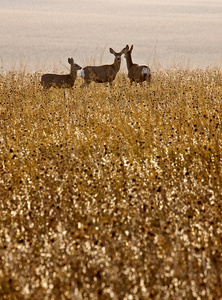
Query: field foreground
{"type": "Point", "coordinates": [111, 193]}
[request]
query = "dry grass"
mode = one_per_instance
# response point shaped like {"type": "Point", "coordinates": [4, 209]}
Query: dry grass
{"type": "Point", "coordinates": [111, 193]}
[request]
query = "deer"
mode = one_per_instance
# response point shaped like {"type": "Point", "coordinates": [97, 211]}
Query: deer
{"type": "Point", "coordinates": [135, 72]}
{"type": "Point", "coordinates": [61, 81]}
{"type": "Point", "coordinates": [104, 73]}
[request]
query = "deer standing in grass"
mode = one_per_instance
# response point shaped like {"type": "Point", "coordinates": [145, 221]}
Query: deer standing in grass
{"type": "Point", "coordinates": [135, 72]}
{"type": "Point", "coordinates": [104, 73]}
{"type": "Point", "coordinates": [61, 81]}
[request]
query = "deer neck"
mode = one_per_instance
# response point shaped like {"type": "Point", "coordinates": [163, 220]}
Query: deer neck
{"type": "Point", "coordinates": [116, 64]}
{"type": "Point", "coordinates": [73, 71]}
{"type": "Point", "coordinates": [129, 60]}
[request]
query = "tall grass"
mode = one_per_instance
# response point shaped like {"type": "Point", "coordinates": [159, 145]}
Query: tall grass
{"type": "Point", "coordinates": [111, 193]}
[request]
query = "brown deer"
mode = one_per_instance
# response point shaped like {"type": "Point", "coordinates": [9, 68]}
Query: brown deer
{"type": "Point", "coordinates": [61, 81]}
{"type": "Point", "coordinates": [104, 73]}
{"type": "Point", "coordinates": [135, 72]}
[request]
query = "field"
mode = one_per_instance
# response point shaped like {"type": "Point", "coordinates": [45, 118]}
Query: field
{"type": "Point", "coordinates": [111, 193]}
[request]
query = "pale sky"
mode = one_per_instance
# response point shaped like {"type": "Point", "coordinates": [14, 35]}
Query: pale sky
{"type": "Point", "coordinates": [42, 34]}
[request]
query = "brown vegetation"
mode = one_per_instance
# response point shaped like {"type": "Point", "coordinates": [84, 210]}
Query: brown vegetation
{"type": "Point", "coordinates": [111, 193]}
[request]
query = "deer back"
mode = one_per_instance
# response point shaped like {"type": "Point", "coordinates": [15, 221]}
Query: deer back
{"type": "Point", "coordinates": [99, 74]}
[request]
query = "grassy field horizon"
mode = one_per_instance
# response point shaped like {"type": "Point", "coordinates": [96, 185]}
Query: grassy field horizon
{"type": "Point", "coordinates": [111, 193]}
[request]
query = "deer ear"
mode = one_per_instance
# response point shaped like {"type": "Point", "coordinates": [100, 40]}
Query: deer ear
{"type": "Point", "coordinates": [70, 61]}
{"type": "Point", "coordinates": [127, 47]}
{"type": "Point", "coordinates": [131, 48]}
{"type": "Point", "coordinates": [123, 50]}
{"type": "Point", "coordinates": [112, 51]}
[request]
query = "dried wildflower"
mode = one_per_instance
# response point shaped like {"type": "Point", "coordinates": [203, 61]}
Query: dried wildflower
{"type": "Point", "coordinates": [98, 184]}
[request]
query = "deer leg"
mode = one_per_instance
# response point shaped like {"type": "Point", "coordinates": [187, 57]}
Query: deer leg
{"type": "Point", "coordinates": [85, 83]}
{"type": "Point", "coordinates": [149, 80]}
{"type": "Point", "coordinates": [131, 82]}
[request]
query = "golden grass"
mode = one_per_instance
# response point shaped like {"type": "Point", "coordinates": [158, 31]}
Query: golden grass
{"type": "Point", "coordinates": [111, 193]}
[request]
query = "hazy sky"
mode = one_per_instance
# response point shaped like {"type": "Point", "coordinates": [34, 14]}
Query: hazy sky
{"type": "Point", "coordinates": [42, 34]}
